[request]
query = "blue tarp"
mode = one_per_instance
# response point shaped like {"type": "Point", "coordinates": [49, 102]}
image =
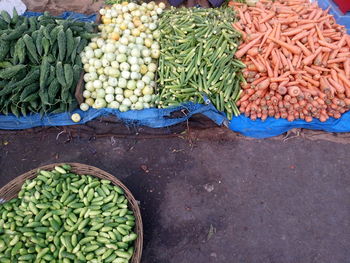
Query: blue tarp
{"type": "Point", "coordinates": [157, 118]}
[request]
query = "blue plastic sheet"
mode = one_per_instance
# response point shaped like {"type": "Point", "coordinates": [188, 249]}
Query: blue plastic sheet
{"type": "Point", "coordinates": [154, 118]}
{"type": "Point", "coordinates": [157, 118]}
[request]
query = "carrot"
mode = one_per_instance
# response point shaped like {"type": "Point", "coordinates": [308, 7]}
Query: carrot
{"type": "Point", "coordinates": [304, 49]}
{"type": "Point", "coordinates": [307, 26]}
{"type": "Point", "coordinates": [300, 35]}
{"type": "Point", "coordinates": [311, 70]}
{"type": "Point", "coordinates": [291, 48]}
{"type": "Point", "coordinates": [337, 60]}
{"type": "Point", "coordinates": [294, 91]}
{"type": "Point", "coordinates": [265, 38]}
{"type": "Point", "coordinates": [325, 59]}
{"type": "Point", "coordinates": [319, 33]}
{"type": "Point", "coordinates": [240, 53]}
{"type": "Point", "coordinates": [348, 40]}
{"type": "Point", "coordinates": [260, 67]}
{"type": "Point", "coordinates": [279, 79]}
{"type": "Point", "coordinates": [257, 81]}
{"type": "Point", "coordinates": [337, 86]}
{"type": "Point", "coordinates": [269, 50]}
{"type": "Point", "coordinates": [264, 84]}
{"type": "Point", "coordinates": [347, 68]}
{"type": "Point", "coordinates": [320, 68]}
{"type": "Point", "coordinates": [268, 17]}
{"type": "Point", "coordinates": [343, 78]}
{"type": "Point", "coordinates": [325, 44]}
{"type": "Point", "coordinates": [308, 60]}
{"type": "Point", "coordinates": [312, 81]}
{"type": "Point", "coordinates": [311, 43]}
{"type": "Point", "coordinates": [345, 54]}
{"type": "Point", "coordinates": [334, 75]}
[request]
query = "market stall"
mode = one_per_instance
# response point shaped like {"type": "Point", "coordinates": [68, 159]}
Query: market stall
{"type": "Point", "coordinates": [291, 71]}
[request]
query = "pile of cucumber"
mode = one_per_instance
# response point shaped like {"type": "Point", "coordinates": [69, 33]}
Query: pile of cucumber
{"type": "Point", "coordinates": [40, 64]}
{"type": "Point", "coordinates": [63, 217]}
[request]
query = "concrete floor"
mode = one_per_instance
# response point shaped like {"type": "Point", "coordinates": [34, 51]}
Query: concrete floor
{"type": "Point", "coordinates": [234, 200]}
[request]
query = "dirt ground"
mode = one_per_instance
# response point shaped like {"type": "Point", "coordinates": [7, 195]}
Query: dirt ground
{"type": "Point", "coordinates": [211, 195]}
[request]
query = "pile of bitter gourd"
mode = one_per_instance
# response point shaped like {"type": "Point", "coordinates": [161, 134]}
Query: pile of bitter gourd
{"type": "Point", "coordinates": [39, 63]}
{"type": "Point", "coordinates": [197, 58]}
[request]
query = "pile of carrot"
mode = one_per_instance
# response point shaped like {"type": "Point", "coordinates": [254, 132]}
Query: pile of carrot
{"type": "Point", "coordinates": [297, 61]}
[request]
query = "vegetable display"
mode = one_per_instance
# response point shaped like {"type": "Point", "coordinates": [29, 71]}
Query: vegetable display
{"type": "Point", "coordinates": [121, 63]}
{"type": "Point", "coordinates": [197, 58]}
{"type": "Point", "coordinates": [63, 217]}
{"type": "Point", "coordinates": [298, 61]}
{"type": "Point", "coordinates": [39, 63]}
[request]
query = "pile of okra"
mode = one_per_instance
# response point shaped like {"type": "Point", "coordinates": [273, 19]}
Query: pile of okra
{"type": "Point", "coordinates": [197, 58]}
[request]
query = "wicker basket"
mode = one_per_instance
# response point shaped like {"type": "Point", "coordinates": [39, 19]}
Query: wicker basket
{"type": "Point", "coordinates": [11, 190]}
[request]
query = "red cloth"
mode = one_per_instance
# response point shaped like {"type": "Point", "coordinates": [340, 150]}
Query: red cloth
{"type": "Point", "coordinates": [344, 5]}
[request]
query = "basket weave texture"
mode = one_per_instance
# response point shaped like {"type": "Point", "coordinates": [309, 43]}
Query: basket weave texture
{"type": "Point", "coordinates": [11, 190]}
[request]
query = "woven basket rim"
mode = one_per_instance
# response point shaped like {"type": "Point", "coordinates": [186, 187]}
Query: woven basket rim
{"type": "Point", "coordinates": [12, 188]}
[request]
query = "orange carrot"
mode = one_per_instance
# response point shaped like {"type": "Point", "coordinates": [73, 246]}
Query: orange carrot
{"type": "Point", "coordinates": [347, 68]}
{"type": "Point", "coordinates": [291, 48]}
{"type": "Point", "coordinates": [240, 53]}
{"type": "Point", "coordinates": [300, 35]}
{"type": "Point", "coordinates": [279, 79]}
{"type": "Point", "coordinates": [343, 78]}
{"type": "Point", "coordinates": [308, 60]}
{"type": "Point", "coordinates": [337, 86]}
{"type": "Point", "coordinates": [337, 60]}
{"type": "Point", "coordinates": [303, 48]}
{"type": "Point", "coordinates": [264, 84]}
{"type": "Point", "coordinates": [325, 44]}
{"type": "Point", "coordinates": [311, 43]}
{"type": "Point", "coordinates": [311, 70]}
{"type": "Point", "coordinates": [265, 38]}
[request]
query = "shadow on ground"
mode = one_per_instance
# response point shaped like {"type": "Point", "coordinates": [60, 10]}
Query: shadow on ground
{"type": "Point", "coordinates": [206, 200]}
